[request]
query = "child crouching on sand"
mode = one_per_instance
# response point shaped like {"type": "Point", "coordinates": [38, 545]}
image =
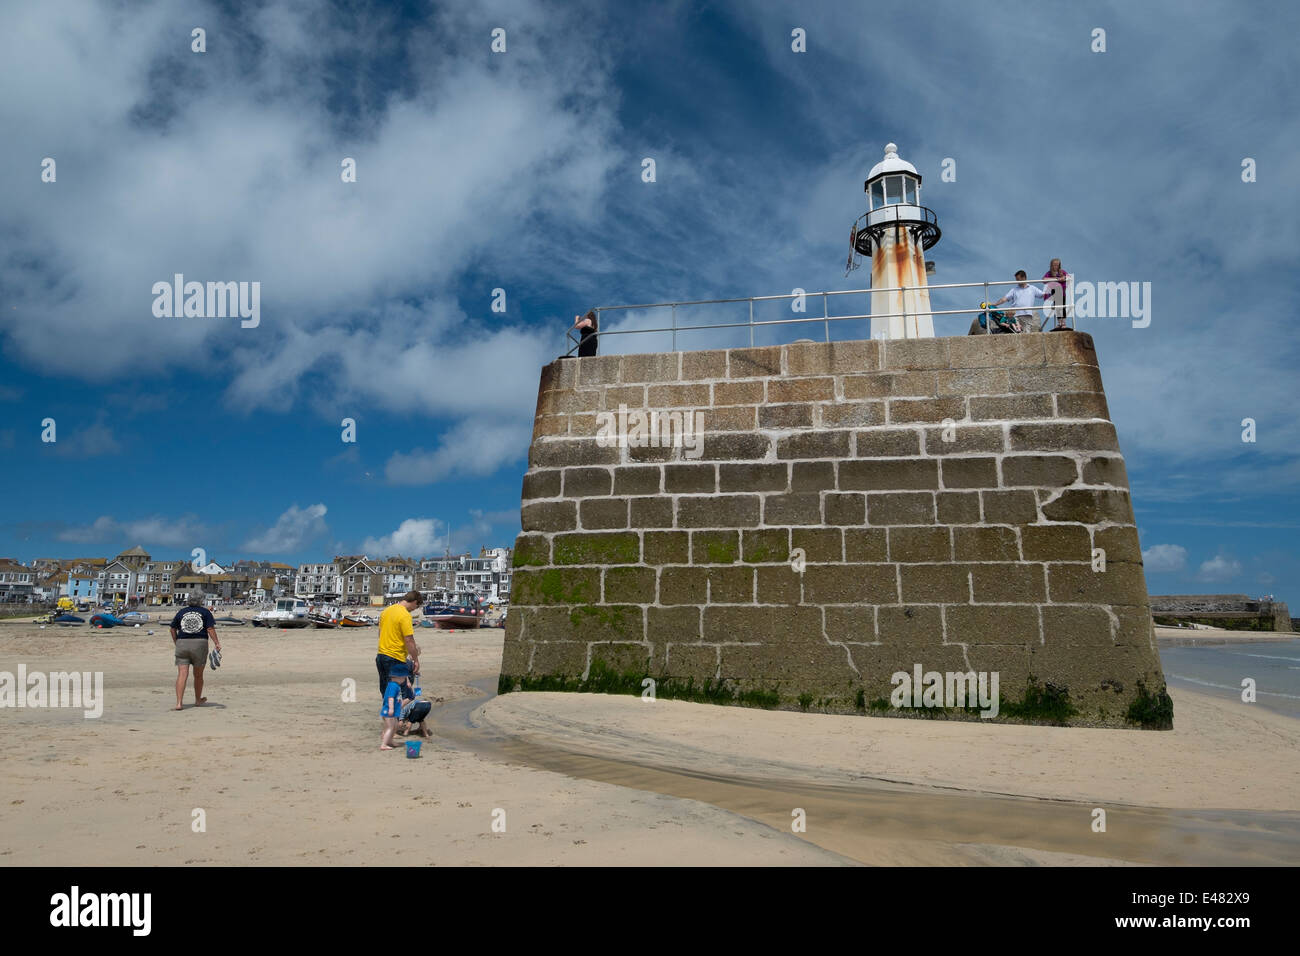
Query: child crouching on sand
{"type": "Point", "coordinates": [413, 717]}
{"type": "Point", "coordinates": [414, 711]}
{"type": "Point", "coordinates": [391, 709]}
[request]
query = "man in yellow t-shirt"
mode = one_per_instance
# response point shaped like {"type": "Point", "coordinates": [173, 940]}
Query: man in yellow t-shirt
{"type": "Point", "coordinates": [397, 637]}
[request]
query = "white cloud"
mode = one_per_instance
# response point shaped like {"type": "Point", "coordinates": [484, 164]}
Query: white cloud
{"type": "Point", "coordinates": [426, 358]}
{"type": "Point", "coordinates": [101, 529]}
{"type": "Point", "coordinates": [1219, 568]}
{"type": "Point", "coordinates": [183, 532]}
{"type": "Point", "coordinates": [481, 530]}
{"type": "Point", "coordinates": [295, 528]}
{"type": "Point", "coordinates": [226, 170]}
{"type": "Point", "coordinates": [414, 538]}
{"type": "Point", "coordinates": [1164, 557]}
{"type": "Point", "coordinates": [88, 442]}
{"type": "Point", "coordinates": [474, 447]}
{"type": "Point", "coordinates": [226, 166]}
{"type": "Point", "coordinates": [1178, 389]}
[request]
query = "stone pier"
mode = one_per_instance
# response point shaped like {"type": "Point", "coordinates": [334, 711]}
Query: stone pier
{"type": "Point", "coordinates": [854, 510]}
{"type": "Point", "coordinates": [1233, 611]}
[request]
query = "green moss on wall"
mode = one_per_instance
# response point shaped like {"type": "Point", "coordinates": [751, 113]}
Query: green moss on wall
{"type": "Point", "coordinates": [1151, 711]}
{"type": "Point", "coordinates": [1040, 704]}
{"type": "Point", "coordinates": [602, 679]}
{"type": "Point", "coordinates": [597, 549]}
{"type": "Point", "coordinates": [721, 552]}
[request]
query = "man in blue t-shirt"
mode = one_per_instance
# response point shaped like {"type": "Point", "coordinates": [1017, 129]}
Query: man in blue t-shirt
{"type": "Point", "coordinates": [191, 628]}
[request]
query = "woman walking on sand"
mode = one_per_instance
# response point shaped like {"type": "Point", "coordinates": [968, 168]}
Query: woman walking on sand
{"type": "Point", "coordinates": [191, 628]}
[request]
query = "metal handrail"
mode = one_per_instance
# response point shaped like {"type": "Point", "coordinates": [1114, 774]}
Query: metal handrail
{"type": "Point", "coordinates": [825, 318]}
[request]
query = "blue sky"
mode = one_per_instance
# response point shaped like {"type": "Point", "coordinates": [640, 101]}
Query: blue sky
{"type": "Point", "coordinates": [522, 171]}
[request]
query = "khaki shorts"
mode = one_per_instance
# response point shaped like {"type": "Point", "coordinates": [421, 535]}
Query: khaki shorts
{"type": "Point", "coordinates": [192, 650]}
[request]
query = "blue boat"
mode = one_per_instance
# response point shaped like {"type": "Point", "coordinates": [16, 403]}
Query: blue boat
{"type": "Point", "coordinates": [68, 619]}
{"type": "Point", "coordinates": [464, 611]}
{"type": "Point", "coordinates": [104, 619]}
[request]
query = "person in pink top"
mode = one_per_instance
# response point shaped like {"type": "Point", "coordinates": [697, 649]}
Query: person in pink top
{"type": "Point", "coordinates": [1054, 285]}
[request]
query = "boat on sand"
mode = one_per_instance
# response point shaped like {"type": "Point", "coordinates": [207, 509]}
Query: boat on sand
{"type": "Point", "coordinates": [464, 611]}
{"type": "Point", "coordinates": [288, 613]}
{"type": "Point", "coordinates": [324, 616]}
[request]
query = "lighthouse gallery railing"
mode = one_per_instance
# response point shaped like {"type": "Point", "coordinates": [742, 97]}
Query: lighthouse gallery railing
{"type": "Point", "coordinates": [825, 318]}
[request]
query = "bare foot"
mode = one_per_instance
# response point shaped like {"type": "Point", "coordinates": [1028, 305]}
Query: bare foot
{"type": "Point", "coordinates": [200, 702]}
{"type": "Point", "coordinates": [387, 748]}
{"type": "Point", "coordinates": [179, 707]}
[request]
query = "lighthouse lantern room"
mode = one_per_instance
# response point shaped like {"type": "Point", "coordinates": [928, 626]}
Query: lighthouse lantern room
{"type": "Point", "coordinates": [895, 231]}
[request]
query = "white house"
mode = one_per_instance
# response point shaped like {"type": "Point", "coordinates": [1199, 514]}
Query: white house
{"type": "Point", "coordinates": [399, 576]}
{"type": "Point", "coordinates": [117, 581]}
{"type": "Point", "coordinates": [317, 580]}
{"type": "Point", "coordinates": [17, 582]}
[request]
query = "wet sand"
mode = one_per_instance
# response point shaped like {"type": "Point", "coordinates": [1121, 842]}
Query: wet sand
{"type": "Point", "coordinates": [287, 772]}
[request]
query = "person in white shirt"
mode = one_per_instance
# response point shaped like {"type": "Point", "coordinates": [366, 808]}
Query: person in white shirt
{"type": "Point", "coordinates": [1022, 298]}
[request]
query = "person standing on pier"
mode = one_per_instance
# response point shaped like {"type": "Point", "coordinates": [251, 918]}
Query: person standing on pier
{"type": "Point", "coordinates": [1054, 282]}
{"type": "Point", "coordinates": [1022, 298]}
{"type": "Point", "coordinates": [588, 327]}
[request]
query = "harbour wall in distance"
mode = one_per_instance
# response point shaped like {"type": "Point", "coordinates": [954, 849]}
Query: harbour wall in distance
{"type": "Point", "coordinates": [853, 510]}
{"type": "Point", "coordinates": [1233, 611]}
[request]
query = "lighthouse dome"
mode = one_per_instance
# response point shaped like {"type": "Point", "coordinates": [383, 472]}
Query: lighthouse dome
{"type": "Point", "coordinates": [891, 164]}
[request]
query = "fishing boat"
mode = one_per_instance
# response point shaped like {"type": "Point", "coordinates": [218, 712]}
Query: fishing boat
{"type": "Point", "coordinates": [288, 613]}
{"type": "Point", "coordinates": [67, 619]}
{"type": "Point", "coordinates": [465, 611]}
{"type": "Point", "coordinates": [104, 619]}
{"type": "Point", "coordinates": [324, 616]}
{"type": "Point", "coordinates": [135, 617]}
{"type": "Point", "coordinates": [346, 621]}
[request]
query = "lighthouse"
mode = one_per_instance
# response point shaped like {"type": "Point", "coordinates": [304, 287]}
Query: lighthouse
{"type": "Point", "coordinates": [895, 231]}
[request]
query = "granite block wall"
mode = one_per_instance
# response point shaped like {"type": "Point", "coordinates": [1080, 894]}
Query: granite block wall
{"type": "Point", "coordinates": [846, 512]}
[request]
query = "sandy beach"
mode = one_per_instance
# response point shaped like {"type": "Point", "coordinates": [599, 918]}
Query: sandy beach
{"type": "Point", "coordinates": [287, 772]}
